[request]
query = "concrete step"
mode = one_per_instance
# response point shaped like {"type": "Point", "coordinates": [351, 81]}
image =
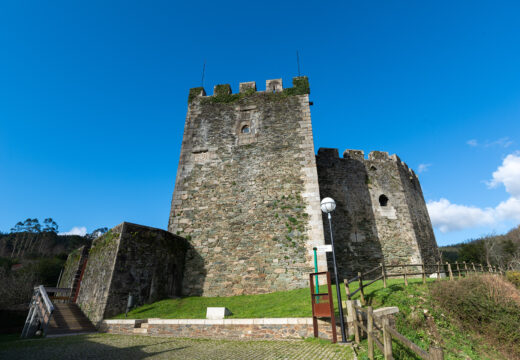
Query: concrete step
{"type": "Point", "coordinates": [141, 331]}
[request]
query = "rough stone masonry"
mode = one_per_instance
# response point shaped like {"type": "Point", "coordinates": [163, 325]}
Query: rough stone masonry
{"type": "Point", "coordinates": [248, 190]}
{"type": "Point", "coordinates": [246, 195]}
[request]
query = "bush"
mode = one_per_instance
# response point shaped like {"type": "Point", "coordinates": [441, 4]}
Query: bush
{"type": "Point", "coordinates": [487, 305]}
{"type": "Point", "coordinates": [514, 278]}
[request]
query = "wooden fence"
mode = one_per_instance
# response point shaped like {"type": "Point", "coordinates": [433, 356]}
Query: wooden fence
{"type": "Point", "coordinates": [377, 326]}
{"type": "Point", "coordinates": [380, 272]}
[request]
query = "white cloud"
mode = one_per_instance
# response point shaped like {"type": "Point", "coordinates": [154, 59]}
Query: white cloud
{"type": "Point", "coordinates": [472, 142]}
{"type": "Point", "coordinates": [508, 210]}
{"type": "Point", "coordinates": [76, 230]}
{"type": "Point", "coordinates": [451, 217]}
{"type": "Point", "coordinates": [423, 167]}
{"type": "Point", "coordinates": [508, 174]}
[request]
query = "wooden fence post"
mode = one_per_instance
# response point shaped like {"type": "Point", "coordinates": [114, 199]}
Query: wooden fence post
{"type": "Point", "coordinates": [474, 270]}
{"type": "Point", "coordinates": [356, 324]}
{"type": "Point", "coordinates": [458, 269]}
{"type": "Point", "coordinates": [465, 268]}
{"type": "Point", "coordinates": [370, 329]}
{"type": "Point", "coordinates": [481, 268]}
{"type": "Point", "coordinates": [423, 274]}
{"type": "Point", "coordinates": [449, 270]}
{"type": "Point", "coordinates": [436, 353]}
{"type": "Point", "coordinates": [383, 271]}
{"type": "Point", "coordinates": [347, 289]}
{"type": "Point", "coordinates": [438, 270]}
{"type": "Point", "coordinates": [387, 339]}
{"type": "Point", "coordinates": [361, 292]}
{"type": "Point", "coordinates": [405, 276]}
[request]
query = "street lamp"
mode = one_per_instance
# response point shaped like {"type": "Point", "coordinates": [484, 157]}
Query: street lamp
{"type": "Point", "coordinates": [327, 206]}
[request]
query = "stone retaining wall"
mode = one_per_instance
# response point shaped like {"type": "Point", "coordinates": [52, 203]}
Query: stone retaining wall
{"type": "Point", "coordinates": [233, 329]}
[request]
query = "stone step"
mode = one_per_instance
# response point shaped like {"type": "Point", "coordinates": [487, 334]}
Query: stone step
{"type": "Point", "coordinates": [68, 318]}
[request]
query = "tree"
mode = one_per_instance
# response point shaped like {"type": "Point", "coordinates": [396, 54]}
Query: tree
{"type": "Point", "coordinates": [97, 233]}
{"type": "Point", "coordinates": [50, 225]}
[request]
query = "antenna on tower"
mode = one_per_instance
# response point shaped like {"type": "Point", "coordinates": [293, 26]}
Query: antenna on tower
{"type": "Point", "coordinates": [203, 73]}
{"type": "Point", "coordinates": [298, 61]}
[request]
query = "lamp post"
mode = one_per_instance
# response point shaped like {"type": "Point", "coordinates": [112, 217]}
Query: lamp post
{"type": "Point", "coordinates": [327, 206]}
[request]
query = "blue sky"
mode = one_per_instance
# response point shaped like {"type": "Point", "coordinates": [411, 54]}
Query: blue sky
{"type": "Point", "coordinates": [93, 98]}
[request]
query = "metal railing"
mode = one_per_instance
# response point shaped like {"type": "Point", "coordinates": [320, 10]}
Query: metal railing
{"type": "Point", "coordinates": [41, 309]}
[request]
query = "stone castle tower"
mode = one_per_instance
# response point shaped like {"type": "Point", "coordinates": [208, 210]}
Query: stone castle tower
{"type": "Point", "coordinates": [246, 195]}
{"type": "Point", "coordinates": [380, 216]}
{"type": "Point", "coordinates": [248, 190]}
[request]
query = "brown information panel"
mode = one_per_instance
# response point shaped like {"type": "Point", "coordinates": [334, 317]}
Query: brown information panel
{"type": "Point", "coordinates": [322, 304]}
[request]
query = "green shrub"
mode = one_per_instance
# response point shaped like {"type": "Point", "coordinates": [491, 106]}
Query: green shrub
{"type": "Point", "coordinates": [487, 305]}
{"type": "Point", "coordinates": [514, 278]}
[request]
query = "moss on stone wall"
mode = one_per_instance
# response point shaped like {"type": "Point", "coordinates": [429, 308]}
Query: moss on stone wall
{"type": "Point", "coordinates": [194, 92]}
{"type": "Point", "coordinates": [71, 266]}
{"type": "Point", "coordinates": [103, 242]}
{"type": "Point", "coordinates": [222, 93]}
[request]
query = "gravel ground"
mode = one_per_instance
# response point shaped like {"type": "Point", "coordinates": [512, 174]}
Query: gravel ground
{"type": "Point", "coordinates": [106, 346]}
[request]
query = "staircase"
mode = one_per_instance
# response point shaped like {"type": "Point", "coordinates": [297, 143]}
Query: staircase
{"type": "Point", "coordinates": [141, 327]}
{"type": "Point", "coordinates": [68, 319]}
{"type": "Point", "coordinates": [59, 318]}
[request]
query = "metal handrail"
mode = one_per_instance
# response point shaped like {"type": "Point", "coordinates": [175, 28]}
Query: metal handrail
{"type": "Point", "coordinates": [40, 311]}
{"type": "Point", "coordinates": [46, 300]}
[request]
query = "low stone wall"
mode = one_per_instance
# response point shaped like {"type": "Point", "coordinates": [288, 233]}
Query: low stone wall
{"type": "Point", "coordinates": [233, 329]}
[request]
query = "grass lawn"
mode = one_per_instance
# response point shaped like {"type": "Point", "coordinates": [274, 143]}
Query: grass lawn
{"type": "Point", "coordinates": [293, 303]}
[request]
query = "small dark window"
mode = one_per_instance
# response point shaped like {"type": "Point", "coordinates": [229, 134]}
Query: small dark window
{"type": "Point", "coordinates": [245, 129]}
{"type": "Point", "coordinates": [373, 168]}
{"type": "Point", "coordinates": [383, 200]}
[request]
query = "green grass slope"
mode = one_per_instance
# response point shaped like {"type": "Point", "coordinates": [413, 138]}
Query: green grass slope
{"type": "Point", "coordinates": [472, 318]}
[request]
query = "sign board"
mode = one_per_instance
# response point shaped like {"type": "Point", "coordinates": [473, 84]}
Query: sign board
{"type": "Point", "coordinates": [324, 248]}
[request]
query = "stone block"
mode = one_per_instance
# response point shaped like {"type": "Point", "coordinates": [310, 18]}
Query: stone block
{"type": "Point", "coordinates": [215, 313]}
{"type": "Point", "coordinates": [385, 311]}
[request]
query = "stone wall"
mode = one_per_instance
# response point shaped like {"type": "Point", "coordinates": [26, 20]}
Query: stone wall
{"type": "Point", "coordinates": [246, 194]}
{"type": "Point", "coordinates": [231, 329]}
{"type": "Point", "coordinates": [130, 259]}
{"type": "Point", "coordinates": [381, 215]}
{"type": "Point", "coordinates": [72, 265]}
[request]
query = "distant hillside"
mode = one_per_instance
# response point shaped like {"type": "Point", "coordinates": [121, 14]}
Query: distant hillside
{"type": "Point", "coordinates": [496, 250]}
{"type": "Point", "coordinates": [23, 245]}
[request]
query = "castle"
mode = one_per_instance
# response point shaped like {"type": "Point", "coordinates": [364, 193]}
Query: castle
{"type": "Point", "coordinates": [245, 213]}
{"type": "Point", "coordinates": [248, 189]}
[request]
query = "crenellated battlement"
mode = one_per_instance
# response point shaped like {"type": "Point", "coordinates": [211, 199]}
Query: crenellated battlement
{"type": "Point", "coordinates": [359, 155]}
{"type": "Point", "coordinates": [223, 92]}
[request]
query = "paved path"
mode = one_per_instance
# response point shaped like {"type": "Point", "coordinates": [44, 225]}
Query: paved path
{"type": "Point", "coordinates": [105, 346]}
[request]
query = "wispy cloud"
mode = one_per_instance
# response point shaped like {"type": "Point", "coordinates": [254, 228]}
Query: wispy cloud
{"type": "Point", "coordinates": [423, 167]}
{"type": "Point", "coordinates": [447, 216]}
{"type": "Point", "coordinates": [76, 230]}
{"type": "Point", "coordinates": [504, 142]}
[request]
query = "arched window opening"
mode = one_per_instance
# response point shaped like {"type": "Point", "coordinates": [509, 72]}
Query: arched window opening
{"type": "Point", "coordinates": [383, 200]}
{"type": "Point", "coordinates": [245, 129]}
